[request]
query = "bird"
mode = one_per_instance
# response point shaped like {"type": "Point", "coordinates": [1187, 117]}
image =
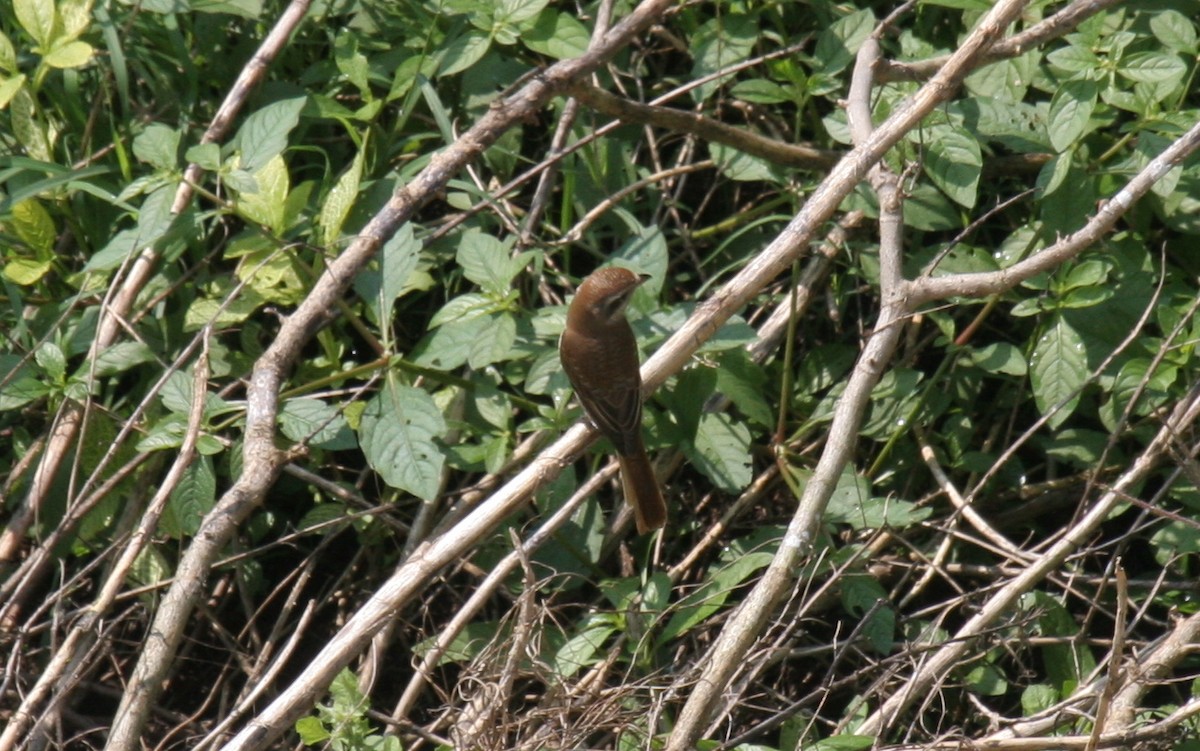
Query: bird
{"type": "Point", "coordinates": [600, 357]}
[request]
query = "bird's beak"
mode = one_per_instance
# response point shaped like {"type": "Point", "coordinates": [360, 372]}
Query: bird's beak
{"type": "Point", "coordinates": [643, 278]}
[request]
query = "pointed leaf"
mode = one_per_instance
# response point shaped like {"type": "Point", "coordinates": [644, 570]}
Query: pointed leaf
{"type": "Point", "coordinates": [1070, 112]}
{"type": "Point", "coordinates": [1057, 370]}
{"type": "Point", "coordinates": [954, 163]}
{"type": "Point", "coordinates": [265, 132]}
{"type": "Point", "coordinates": [722, 452]}
{"type": "Point", "coordinates": [340, 200]}
{"type": "Point", "coordinates": [397, 435]}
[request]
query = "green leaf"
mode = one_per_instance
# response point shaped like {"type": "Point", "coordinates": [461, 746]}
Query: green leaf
{"type": "Point", "coordinates": [1074, 59]}
{"type": "Point", "coordinates": [486, 261]}
{"type": "Point", "coordinates": [852, 503]}
{"type": "Point", "coordinates": [463, 52]}
{"type": "Point", "coordinates": [52, 360]}
{"type": "Point", "coordinates": [264, 135]}
{"type": "Point", "coordinates": [1136, 381]}
{"type": "Point", "coordinates": [860, 593]}
{"type": "Point", "coordinates": [344, 690]}
{"type": "Point", "coordinates": [1088, 273]}
{"type": "Point", "coordinates": [1058, 369]}
{"type": "Point", "coordinates": [987, 680]}
{"type": "Point", "coordinates": [1173, 539]}
{"type": "Point", "coordinates": [176, 395]}
{"type": "Point", "coordinates": [1067, 662]}
{"type": "Point", "coordinates": [1003, 85]}
{"type": "Point", "coordinates": [205, 310]}
{"type": "Point", "coordinates": [311, 731]}
{"type": "Point", "coordinates": [33, 225]}
{"type": "Point", "coordinates": [721, 451]}
{"type": "Point", "coordinates": [37, 18]}
{"type": "Point", "coordinates": [8, 55]}
{"type": "Point", "coordinates": [719, 43]}
{"type": "Point", "coordinates": [953, 161]}
{"type": "Point", "coordinates": [267, 205]}
{"type": "Point", "coordinates": [70, 55]}
{"type": "Point", "coordinates": [1038, 698]}
{"type": "Point", "coordinates": [580, 650]}
{"type": "Point", "coordinates": [26, 126]}
{"type": "Point", "coordinates": [761, 91]}
{"type": "Point", "coordinates": [22, 390]}
{"type": "Point", "coordinates": [191, 500]}
{"type": "Point", "coordinates": [557, 34]}
{"type": "Point", "coordinates": [1071, 112]}
{"type": "Point", "coordinates": [119, 357]}
{"type": "Point", "coordinates": [150, 567]}
{"type": "Point", "coordinates": [398, 431]}
{"type": "Point", "coordinates": [75, 16]}
{"type": "Point", "coordinates": [352, 63]}
{"type": "Point", "coordinates": [463, 308]}
{"type": "Point", "coordinates": [1174, 30]}
{"type": "Point", "coordinates": [892, 402]}
{"type": "Point", "coordinates": [496, 334]}
{"type": "Point", "coordinates": [389, 275]}
{"type": "Point", "coordinates": [744, 382]}
{"type": "Point", "coordinates": [207, 155]}
{"type": "Point", "coordinates": [838, 44]}
{"type": "Point", "coordinates": [708, 598]}
{"type": "Point", "coordinates": [1067, 209]}
{"type": "Point", "coordinates": [928, 209]}
{"type": "Point", "coordinates": [517, 11]}
{"type": "Point", "coordinates": [1000, 358]}
{"type": "Point", "coordinates": [1080, 447]}
{"type": "Point", "coordinates": [737, 165]}
{"type": "Point", "coordinates": [26, 271]}
{"type": "Point", "coordinates": [692, 388]}
{"type": "Point", "coordinates": [1149, 146]}
{"type": "Point", "coordinates": [317, 423]}
{"type": "Point", "coordinates": [154, 216]}
{"type": "Point", "coordinates": [464, 647]}
{"type": "Point", "coordinates": [9, 88]}
{"type": "Point", "coordinates": [449, 346]}
{"type": "Point", "coordinates": [158, 146]}
{"type": "Point", "coordinates": [1152, 67]}
{"type": "Point", "coordinates": [341, 199]}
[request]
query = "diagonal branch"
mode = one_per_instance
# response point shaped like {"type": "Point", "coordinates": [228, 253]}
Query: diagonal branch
{"type": "Point", "coordinates": [747, 622]}
{"type": "Point", "coordinates": [262, 462]}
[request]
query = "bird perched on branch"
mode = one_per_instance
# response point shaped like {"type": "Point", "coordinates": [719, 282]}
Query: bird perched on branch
{"type": "Point", "coordinates": [600, 357]}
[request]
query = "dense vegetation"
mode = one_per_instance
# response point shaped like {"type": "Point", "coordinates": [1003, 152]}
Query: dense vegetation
{"type": "Point", "coordinates": [286, 452]}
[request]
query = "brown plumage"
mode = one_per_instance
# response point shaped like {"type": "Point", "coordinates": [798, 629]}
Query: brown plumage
{"type": "Point", "coordinates": [600, 357]}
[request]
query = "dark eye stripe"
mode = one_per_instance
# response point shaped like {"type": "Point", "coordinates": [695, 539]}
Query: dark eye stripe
{"type": "Point", "coordinates": [615, 305]}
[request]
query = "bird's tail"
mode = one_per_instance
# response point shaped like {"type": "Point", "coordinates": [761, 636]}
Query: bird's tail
{"type": "Point", "coordinates": [642, 491]}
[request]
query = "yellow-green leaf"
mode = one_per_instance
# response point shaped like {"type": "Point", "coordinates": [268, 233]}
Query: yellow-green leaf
{"type": "Point", "coordinates": [266, 205]}
{"type": "Point", "coordinates": [9, 88]}
{"type": "Point", "coordinates": [340, 199]}
{"type": "Point", "coordinates": [26, 271]}
{"type": "Point", "coordinates": [37, 18]}
{"type": "Point", "coordinates": [70, 55]}
{"type": "Point", "coordinates": [271, 273]}
{"type": "Point", "coordinates": [8, 55]}
{"type": "Point", "coordinates": [29, 132]}
{"type": "Point", "coordinates": [75, 16]}
{"type": "Point", "coordinates": [33, 225]}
